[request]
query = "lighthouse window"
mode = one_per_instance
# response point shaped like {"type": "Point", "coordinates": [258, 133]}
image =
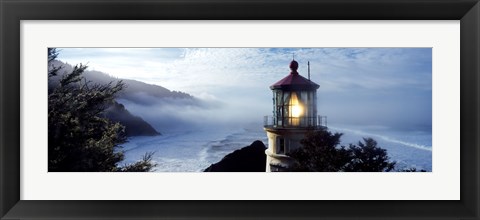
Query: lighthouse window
{"type": "Point", "coordinates": [278, 108]}
{"type": "Point", "coordinates": [281, 146]}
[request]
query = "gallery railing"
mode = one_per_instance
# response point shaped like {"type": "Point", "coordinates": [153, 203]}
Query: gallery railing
{"type": "Point", "coordinates": [291, 122]}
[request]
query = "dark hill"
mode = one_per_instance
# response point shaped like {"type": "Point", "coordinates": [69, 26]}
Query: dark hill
{"type": "Point", "coordinates": [134, 91]}
{"type": "Point", "coordinates": [133, 88]}
{"type": "Point", "coordinates": [248, 159]}
{"type": "Point", "coordinates": [134, 125]}
{"type": "Point", "coordinates": [138, 92]}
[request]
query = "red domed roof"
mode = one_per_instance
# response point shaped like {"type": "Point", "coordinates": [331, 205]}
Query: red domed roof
{"type": "Point", "coordinates": [294, 81]}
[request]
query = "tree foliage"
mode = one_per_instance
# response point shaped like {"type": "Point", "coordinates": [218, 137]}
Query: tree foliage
{"type": "Point", "coordinates": [79, 138]}
{"type": "Point", "coordinates": [52, 55]}
{"type": "Point", "coordinates": [367, 157]}
{"type": "Point", "coordinates": [143, 165]}
{"type": "Point", "coordinates": [321, 153]}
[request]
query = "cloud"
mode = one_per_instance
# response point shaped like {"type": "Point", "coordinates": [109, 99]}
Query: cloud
{"type": "Point", "coordinates": [365, 85]}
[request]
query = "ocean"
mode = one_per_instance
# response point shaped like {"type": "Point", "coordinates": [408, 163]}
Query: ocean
{"type": "Point", "coordinates": [194, 150]}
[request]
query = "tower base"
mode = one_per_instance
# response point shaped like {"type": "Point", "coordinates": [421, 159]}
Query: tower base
{"type": "Point", "coordinates": [281, 141]}
{"type": "Point", "coordinates": [278, 162]}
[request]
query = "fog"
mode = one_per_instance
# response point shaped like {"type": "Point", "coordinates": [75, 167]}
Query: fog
{"type": "Point", "coordinates": [389, 87]}
{"type": "Point", "coordinates": [400, 109]}
{"type": "Point", "coordinates": [170, 114]}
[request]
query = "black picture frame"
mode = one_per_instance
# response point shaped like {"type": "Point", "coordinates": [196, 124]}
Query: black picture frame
{"type": "Point", "coordinates": [13, 11]}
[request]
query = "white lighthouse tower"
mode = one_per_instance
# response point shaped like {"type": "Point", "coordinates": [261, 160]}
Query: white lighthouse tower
{"type": "Point", "coordinates": [294, 114]}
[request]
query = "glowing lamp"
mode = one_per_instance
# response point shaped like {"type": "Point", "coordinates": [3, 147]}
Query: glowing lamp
{"type": "Point", "coordinates": [296, 107]}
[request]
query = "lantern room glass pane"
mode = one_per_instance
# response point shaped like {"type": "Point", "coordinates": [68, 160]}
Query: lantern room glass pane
{"type": "Point", "coordinates": [294, 108]}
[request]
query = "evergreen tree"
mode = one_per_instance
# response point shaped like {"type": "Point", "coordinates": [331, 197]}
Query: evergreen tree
{"type": "Point", "coordinates": [79, 138]}
{"type": "Point", "coordinates": [321, 153]}
{"type": "Point", "coordinates": [52, 55]}
{"type": "Point", "coordinates": [367, 157]}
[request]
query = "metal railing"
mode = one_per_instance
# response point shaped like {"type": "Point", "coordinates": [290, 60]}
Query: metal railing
{"type": "Point", "coordinates": [290, 122]}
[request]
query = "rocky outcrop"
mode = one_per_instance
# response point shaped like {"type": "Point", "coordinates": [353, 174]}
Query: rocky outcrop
{"type": "Point", "coordinates": [248, 159]}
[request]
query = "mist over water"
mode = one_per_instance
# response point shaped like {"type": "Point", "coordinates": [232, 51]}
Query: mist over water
{"type": "Point", "coordinates": [191, 150]}
{"type": "Point", "coordinates": [193, 137]}
{"type": "Point", "coordinates": [409, 148]}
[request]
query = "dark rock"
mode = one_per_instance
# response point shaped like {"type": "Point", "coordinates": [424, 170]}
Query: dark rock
{"type": "Point", "coordinates": [248, 159]}
{"type": "Point", "coordinates": [134, 125]}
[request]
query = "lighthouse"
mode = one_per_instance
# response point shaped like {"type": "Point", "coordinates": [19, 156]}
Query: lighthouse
{"type": "Point", "coordinates": [294, 114]}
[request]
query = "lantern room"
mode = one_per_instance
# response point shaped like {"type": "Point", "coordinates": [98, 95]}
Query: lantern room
{"type": "Point", "coordinates": [294, 100]}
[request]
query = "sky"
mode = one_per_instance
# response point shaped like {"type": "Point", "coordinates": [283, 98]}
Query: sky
{"type": "Point", "coordinates": [389, 87]}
